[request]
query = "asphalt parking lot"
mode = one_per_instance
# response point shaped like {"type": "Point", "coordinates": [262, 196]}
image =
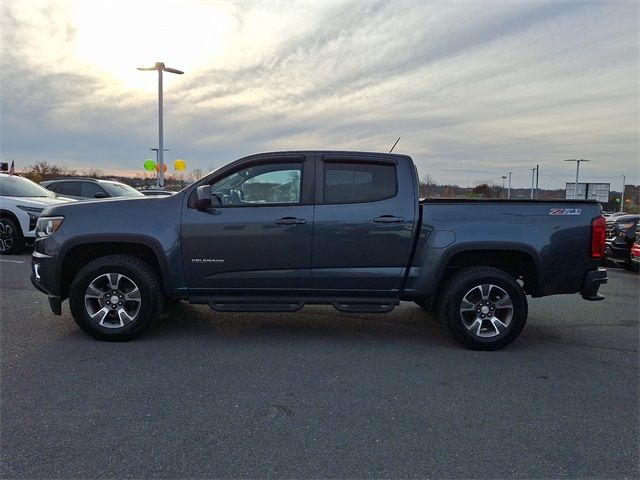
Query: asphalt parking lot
{"type": "Point", "coordinates": [319, 393]}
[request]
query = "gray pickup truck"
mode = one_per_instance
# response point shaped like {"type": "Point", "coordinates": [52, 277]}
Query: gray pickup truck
{"type": "Point", "coordinates": [277, 231]}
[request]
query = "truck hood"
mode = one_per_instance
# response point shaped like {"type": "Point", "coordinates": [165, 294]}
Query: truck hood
{"type": "Point", "coordinates": [114, 206]}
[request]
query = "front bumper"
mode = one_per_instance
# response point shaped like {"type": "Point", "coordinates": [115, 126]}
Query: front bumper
{"type": "Point", "coordinates": [45, 278]}
{"type": "Point", "coordinates": [592, 281]}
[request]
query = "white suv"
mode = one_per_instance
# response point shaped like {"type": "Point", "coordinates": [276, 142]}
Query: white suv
{"type": "Point", "coordinates": [21, 203]}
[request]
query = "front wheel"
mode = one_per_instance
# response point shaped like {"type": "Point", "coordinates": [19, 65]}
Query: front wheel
{"type": "Point", "coordinates": [115, 298]}
{"type": "Point", "coordinates": [484, 308]}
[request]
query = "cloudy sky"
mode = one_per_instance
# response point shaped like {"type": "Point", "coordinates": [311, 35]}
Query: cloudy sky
{"type": "Point", "coordinates": [475, 89]}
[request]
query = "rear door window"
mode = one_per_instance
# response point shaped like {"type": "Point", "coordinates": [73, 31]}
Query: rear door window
{"type": "Point", "coordinates": [70, 188]}
{"type": "Point", "coordinates": [358, 182]}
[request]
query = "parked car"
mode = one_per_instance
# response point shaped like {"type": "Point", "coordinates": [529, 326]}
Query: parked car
{"type": "Point", "coordinates": [277, 231]}
{"type": "Point", "coordinates": [21, 203]}
{"type": "Point", "coordinates": [621, 234]}
{"type": "Point", "coordinates": [156, 192]}
{"type": "Point", "coordinates": [84, 188]}
{"type": "Point", "coordinates": [635, 250]}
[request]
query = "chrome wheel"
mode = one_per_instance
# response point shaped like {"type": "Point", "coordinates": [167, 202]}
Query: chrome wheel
{"type": "Point", "coordinates": [112, 300]}
{"type": "Point", "coordinates": [7, 237]}
{"type": "Point", "coordinates": [486, 310]}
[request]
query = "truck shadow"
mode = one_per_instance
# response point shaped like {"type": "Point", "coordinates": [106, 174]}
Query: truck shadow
{"type": "Point", "coordinates": [407, 323]}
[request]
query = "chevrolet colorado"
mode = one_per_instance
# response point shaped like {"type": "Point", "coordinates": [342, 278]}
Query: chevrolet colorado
{"type": "Point", "coordinates": [277, 231]}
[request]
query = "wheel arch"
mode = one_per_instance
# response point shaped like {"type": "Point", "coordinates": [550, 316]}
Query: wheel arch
{"type": "Point", "coordinates": [4, 213]}
{"type": "Point", "coordinates": [77, 254]}
{"type": "Point", "coordinates": [518, 260]}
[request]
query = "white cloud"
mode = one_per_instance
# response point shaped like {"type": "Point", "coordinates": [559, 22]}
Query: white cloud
{"type": "Point", "coordinates": [472, 88]}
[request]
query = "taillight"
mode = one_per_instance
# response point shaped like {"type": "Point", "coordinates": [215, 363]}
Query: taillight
{"type": "Point", "coordinates": [598, 234]}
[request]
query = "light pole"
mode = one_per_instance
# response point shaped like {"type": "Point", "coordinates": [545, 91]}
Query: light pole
{"type": "Point", "coordinates": [624, 180]}
{"type": "Point", "coordinates": [156, 150]}
{"type": "Point", "coordinates": [504, 177]}
{"type": "Point", "coordinates": [532, 177]}
{"type": "Point", "coordinates": [160, 67]}
{"type": "Point", "coordinates": [509, 191]}
{"type": "Point", "coordinates": [575, 188]}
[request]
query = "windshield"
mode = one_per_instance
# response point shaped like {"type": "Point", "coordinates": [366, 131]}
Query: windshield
{"type": "Point", "coordinates": [14, 186]}
{"type": "Point", "coordinates": [120, 190]}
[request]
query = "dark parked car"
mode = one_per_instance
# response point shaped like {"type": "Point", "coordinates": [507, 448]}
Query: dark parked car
{"type": "Point", "coordinates": [84, 188]}
{"type": "Point", "coordinates": [635, 250]}
{"type": "Point", "coordinates": [277, 231]}
{"type": "Point", "coordinates": [621, 234]}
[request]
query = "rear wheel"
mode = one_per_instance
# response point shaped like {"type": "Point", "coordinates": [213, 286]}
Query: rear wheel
{"type": "Point", "coordinates": [115, 298]}
{"type": "Point", "coordinates": [11, 241]}
{"type": "Point", "coordinates": [484, 308]}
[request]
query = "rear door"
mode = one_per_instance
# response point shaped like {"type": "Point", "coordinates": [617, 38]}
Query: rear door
{"type": "Point", "coordinates": [260, 237]}
{"type": "Point", "coordinates": [363, 222]}
{"type": "Point", "coordinates": [71, 189]}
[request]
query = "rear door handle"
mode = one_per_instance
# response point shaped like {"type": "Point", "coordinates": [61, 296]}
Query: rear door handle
{"type": "Point", "coordinates": [290, 221]}
{"type": "Point", "coordinates": [388, 219]}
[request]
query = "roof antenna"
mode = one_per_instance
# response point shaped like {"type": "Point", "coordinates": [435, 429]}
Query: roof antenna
{"type": "Point", "coordinates": [394, 145]}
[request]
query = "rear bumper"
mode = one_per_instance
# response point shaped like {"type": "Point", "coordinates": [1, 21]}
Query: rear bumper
{"type": "Point", "coordinates": [592, 281]}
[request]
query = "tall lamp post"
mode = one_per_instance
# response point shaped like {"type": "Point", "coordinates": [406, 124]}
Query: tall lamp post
{"type": "Point", "coordinates": [509, 191]}
{"type": "Point", "coordinates": [624, 180]}
{"type": "Point", "coordinates": [504, 177]}
{"type": "Point", "coordinates": [532, 178]}
{"type": "Point", "coordinates": [577, 160]}
{"type": "Point", "coordinates": [160, 67]}
{"type": "Point", "coordinates": [156, 150]}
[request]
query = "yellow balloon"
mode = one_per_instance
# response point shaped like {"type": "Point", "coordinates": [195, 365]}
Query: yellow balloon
{"type": "Point", "coordinates": [180, 164]}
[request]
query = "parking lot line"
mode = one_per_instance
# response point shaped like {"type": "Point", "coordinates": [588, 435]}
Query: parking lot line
{"type": "Point", "coordinates": [11, 261]}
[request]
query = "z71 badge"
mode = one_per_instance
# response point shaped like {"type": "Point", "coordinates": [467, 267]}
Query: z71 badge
{"type": "Point", "coordinates": [565, 211]}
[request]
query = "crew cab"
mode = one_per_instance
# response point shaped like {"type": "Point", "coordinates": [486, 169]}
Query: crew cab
{"type": "Point", "coordinates": [277, 231]}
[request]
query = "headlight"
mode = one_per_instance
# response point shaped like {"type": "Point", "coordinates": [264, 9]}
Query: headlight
{"type": "Point", "coordinates": [47, 226]}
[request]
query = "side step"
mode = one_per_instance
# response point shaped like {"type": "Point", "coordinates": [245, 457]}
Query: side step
{"type": "Point", "coordinates": [367, 305]}
{"type": "Point", "coordinates": [236, 306]}
{"type": "Point", "coordinates": [293, 304]}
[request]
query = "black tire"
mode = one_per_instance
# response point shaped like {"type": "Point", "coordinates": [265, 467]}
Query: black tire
{"type": "Point", "coordinates": [11, 240]}
{"type": "Point", "coordinates": [472, 285]}
{"type": "Point", "coordinates": [422, 305]}
{"type": "Point", "coordinates": [132, 278]}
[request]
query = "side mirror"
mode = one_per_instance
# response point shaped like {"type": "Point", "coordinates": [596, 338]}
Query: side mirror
{"type": "Point", "coordinates": [203, 197]}
{"type": "Point", "coordinates": [100, 195]}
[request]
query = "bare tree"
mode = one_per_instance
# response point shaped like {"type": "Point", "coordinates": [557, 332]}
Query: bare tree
{"type": "Point", "coordinates": [92, 172]}
{"type": "Point", "coordinates": [43, 170]}
{"type": "Point", "coordinates": [426, 186]}
{"type": "Point", "coordinates": [486, 190]}
{"type": "Point", "coordinates": [196, 174]}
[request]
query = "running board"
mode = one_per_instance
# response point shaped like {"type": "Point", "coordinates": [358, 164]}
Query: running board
{"type": "Point", "coordinates": [235, 306]}
{"type": "Point", "coordinates": [365, 305]}
{"type": "Point", "coordinates": [293, 304]}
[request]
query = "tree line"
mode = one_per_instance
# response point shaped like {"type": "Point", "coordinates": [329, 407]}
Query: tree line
{"type": "Point", "coordinates": [429, 188]}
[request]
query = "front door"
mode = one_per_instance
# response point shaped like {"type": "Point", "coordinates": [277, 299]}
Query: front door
{"type": "Point", "coordinates": [259, 237]}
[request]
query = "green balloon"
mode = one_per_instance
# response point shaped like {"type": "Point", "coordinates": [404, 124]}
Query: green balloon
{"type": "Point", "coordinates": [149, 165]}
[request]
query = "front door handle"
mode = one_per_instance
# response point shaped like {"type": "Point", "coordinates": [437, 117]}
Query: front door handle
{"type": "Point", "coordinates": [388, 219]}
{"type": "Point", "coordinates": [290, 221]}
